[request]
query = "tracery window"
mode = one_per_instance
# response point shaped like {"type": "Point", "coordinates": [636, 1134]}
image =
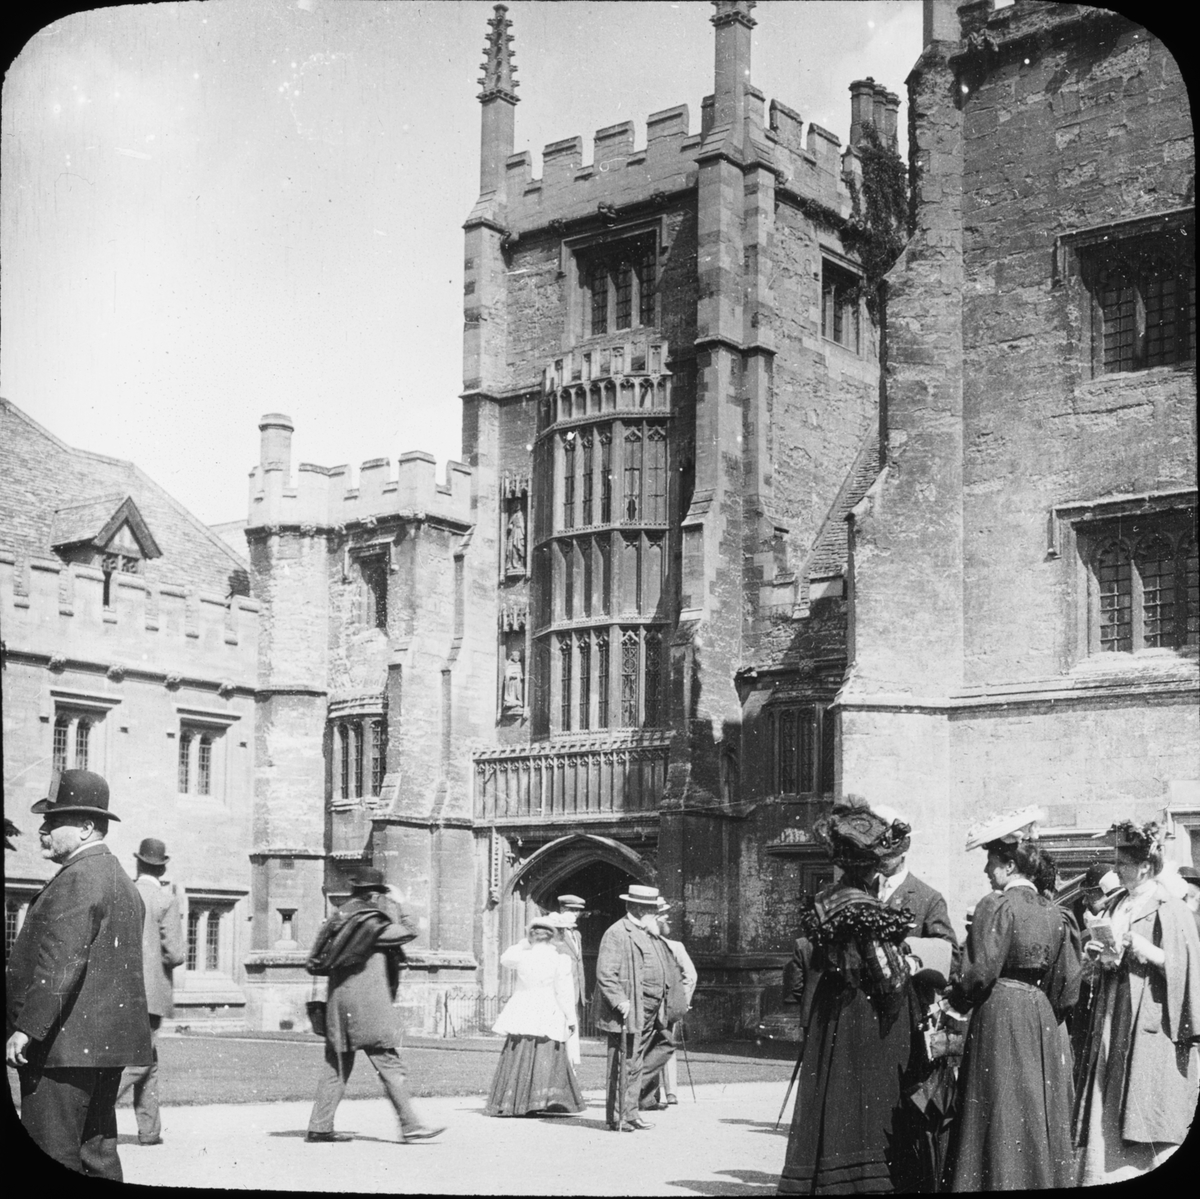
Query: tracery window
{"type": "Point", "coordinates": [195, 761]}
{"type": "Point", "coordinates": [619, 284]}
{"type": "Point", "coordinates": [358, 747]}
{"type": "Point", "coordinates": [1143, 301]}
{"type": "Point", "coordinates": [1144, 583]}
{"type": "Point", "coordinates": [72, 743]}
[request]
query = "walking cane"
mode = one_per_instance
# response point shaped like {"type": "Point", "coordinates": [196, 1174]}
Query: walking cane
{"type": "Point", "coordinates": [687, 1062]}
{"type": "Point", "coordinates": [621, 1076]}
{"type": "Point", "coordinates": [795, 1075]}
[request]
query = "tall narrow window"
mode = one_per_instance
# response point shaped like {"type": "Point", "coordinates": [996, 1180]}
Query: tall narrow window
{"type": "Point", "coordinates": [602, 680]}
{"type": "Point", "coordinates": [653, 679]}
{"type": "Point", "coordinates": [185, 761]}
{"type": "Point", "coordinates": [605, 478]}
{"type": "Point", "coordinates": [356, 755]}
{"type": "Point", "coordinates": [630, 574]}
{"type": "Point", "coordinates": [803, 754]}
{"type": "Point", "coordinates": [83, 732]}
{"type": "Point", "coordinates": [623, 294]}
{"type": "Point", "coordinates": [343, 742]}
{"type": "Point", "coordinates": [597, 285]}
{"type": "Point", "coordinates": [374, 573]}
{"type": "Point", "coordinates": [569, 481]}
{"type": "Point", "coordinates": [629, 679]}
{"type": "Point", "coordinates": [604, 549]}
{"type": "Point", "coordinates": [564, 677]}
{"type": "Point", "coordinates": [194, 919]}
{"type": "Point", "coordinates": [588, 479]}
{"type": "Point", "coordinates": [62, 740]}
{"type": "Point", "coordinates": [633, 474]}
{"type": "Point", "coordinates": [204, 765]}
{"type": "Point", "coordinates": [839, 305]}
{"type": "Point", "coordinates": [1189, 558]}
{"type": "Point", "coordinates": [585, 679]}
{"type": "Point", "coordinates": [1156, 566]}
{"type": "Point", "coordinates": [377, 757]}
{"type": "Point", "coordinates": [645, 274]}
{"type": "Point", "coordinates": [212, 941]}
{"type": "Point", "coordinates": [1115, 579]}
{"type": "Point", "coordinates": [787, 743]}
{"type": "Point", "coordinates": [656, 475]}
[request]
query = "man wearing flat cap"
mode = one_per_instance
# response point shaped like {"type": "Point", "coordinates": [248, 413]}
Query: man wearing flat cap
{"type": "Point", "coordinates": [162, 951]}
{"type": "Point", "coordinates": [76, 1008]}
{"type": "Point", "coordinates": [359, 949]}
{"type": "Point", "coordinates": [639, 993]}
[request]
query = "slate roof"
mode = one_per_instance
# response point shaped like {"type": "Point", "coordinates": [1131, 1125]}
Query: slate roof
{"type": "Point", "coordinates": [50, 490]}
{"type": "Point", "coordinates": [831, 550]}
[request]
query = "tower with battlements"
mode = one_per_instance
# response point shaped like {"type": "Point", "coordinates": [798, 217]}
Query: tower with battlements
{"type": "Point", "coordinates": [604, 649]}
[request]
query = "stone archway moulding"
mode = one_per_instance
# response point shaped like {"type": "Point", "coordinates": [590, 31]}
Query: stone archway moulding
{"type": "Point", "coordinates": [565, 855]}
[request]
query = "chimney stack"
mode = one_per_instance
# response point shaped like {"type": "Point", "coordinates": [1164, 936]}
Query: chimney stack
{"type": "Point", "coordinates": [275, 446]}
{"type": "Point", "coordinates": [862, 107]}
{"type": "Point", "coordinates": [891, 114]}
{"type": "Point", "coordinates": [731, 74]}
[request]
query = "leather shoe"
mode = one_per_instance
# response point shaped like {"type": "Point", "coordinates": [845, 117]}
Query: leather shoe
{"type": "Point", "coordinates": [150, 1141]}
{"type": "Point", "coordinates": [654, 1107]}
{"type": "Point", "coordinates": [672, 1100]}
{"type": "Point", "coordinates": [640, 1123]}
{"type": "Point", "coordinates": [626, 1127]}
{"type": "Point", "coordinates": [320, 1138]}
{"type": "Point", "coordinates": [424, 1134]}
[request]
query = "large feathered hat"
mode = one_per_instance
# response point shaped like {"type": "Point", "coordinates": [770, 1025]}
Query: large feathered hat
{"type": "Point", "coordinates": [853, 834]}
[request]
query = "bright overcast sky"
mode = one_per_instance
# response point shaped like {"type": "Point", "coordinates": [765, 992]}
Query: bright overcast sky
{"type": "Point", "coordinates": [215, 210]}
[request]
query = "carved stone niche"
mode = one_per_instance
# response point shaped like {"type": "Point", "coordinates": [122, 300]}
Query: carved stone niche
{"type": "Point", "coordinates": [512, 692]}
{"type": "Point", "coordinates": [515, 538]}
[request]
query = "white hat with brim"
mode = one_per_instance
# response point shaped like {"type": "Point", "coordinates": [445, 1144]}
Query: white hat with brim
{"type": "Point", "coordinates": [648, 896]}
{"type": "Point", "coordinates": [1018, 825]}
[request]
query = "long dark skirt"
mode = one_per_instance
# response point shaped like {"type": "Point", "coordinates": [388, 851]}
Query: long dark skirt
{"type": "Point", "coordinates": [848, 1095]}
{"type": "Point", "coordinates": [534, 1073]}
{"type": "Point", "coordinates": [1014, 1097]}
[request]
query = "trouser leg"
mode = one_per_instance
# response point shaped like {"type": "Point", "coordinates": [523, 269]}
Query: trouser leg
{"type": "Point", "coordinates": [71, 1116]}
{"type": "Point", "coordinates": [98, 1151]}
{"type": "Point", "coordinates": [613, 1102]}
{"type": "Point", "coordinates": [390, 1066]}
{"type": "Point", "coordinates": [335, 1073]}
{"type": "Point", "coordinates": [670, 1075]}
{"type": "Point", "coordinates": [657, 1051]}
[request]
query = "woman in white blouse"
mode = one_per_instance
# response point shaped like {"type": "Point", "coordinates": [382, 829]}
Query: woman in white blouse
{"type": "Point", "coordinates": [534, 1073]}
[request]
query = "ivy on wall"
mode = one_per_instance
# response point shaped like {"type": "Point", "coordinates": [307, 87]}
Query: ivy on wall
{"type": "Point", "coordinates": [878, 226]}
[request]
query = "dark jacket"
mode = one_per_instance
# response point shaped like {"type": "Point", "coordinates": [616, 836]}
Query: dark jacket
{"type": "Point", "coordinates": [74, 980]}
{"type": "Point", "coordinates": [619, 974]}
{"type": "Point", "coordinates": [931, 918]}
{"type": "Point", "coordinates": [359, 1012]}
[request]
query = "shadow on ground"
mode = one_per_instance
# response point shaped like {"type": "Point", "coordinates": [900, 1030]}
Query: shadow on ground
{"type": "Point", "coordinates": [742, 1182]}
{"type": "Point", "coordinates": [764, 1126]}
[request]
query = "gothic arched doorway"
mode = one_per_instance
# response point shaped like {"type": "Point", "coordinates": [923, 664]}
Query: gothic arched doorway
{"type": "Point", "coordinates": [598, 869]}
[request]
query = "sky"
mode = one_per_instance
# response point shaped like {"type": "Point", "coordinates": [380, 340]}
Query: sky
{"type": "Point", "coordinates": [221, 208]}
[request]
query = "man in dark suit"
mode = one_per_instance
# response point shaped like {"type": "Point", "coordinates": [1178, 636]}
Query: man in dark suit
{"type": "Point", "coordinates": [639, 992]}
{"type": "Point", "coordinates": [162, 951]}
{"type": "Point", "coordinates": [76, 1010]}
{"type": "Point", "coordinates": [359, 948]}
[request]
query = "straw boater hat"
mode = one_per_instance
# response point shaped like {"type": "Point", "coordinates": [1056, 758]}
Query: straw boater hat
{"type": "Point", "coordinates": [75, 791]}
{"type": "Point", "coordinates": [646, 896]}
{"type": "Point", "coordinates": [1019, 824]}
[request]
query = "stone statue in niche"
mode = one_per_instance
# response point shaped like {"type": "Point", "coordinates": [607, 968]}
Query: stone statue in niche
{"type": "Point", "coordinates": [514, 682]}
{"type": "Point", "coordinates": [514, 541]}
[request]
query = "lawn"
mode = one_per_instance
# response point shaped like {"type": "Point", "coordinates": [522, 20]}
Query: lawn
{"type": "Point", "coordinates": [263, 1067]}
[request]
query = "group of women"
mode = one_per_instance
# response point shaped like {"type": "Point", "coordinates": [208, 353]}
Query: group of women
{"type": "Point", "coordinates": [1026, 1116]}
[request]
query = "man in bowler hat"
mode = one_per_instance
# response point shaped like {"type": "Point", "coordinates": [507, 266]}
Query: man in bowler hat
{"type": "Point", "coordinates": [76, 1003]}
{"type": "Point", "coordinates": [359, 948]}
{"type": "Point", "coordinates": [162, 951]}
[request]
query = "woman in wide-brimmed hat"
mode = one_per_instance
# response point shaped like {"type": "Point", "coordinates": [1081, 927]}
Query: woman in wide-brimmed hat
{"type": "Point", "coordinates": [534, 1073]}
{"type": "Point", "coordinates": [1020, 977]}
{"type": "Point", "coordinates": [1138, 1072]}
{"type": "Point", "coordinates": [852, 981]}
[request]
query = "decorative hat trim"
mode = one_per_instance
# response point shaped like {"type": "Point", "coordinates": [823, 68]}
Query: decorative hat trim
{"type": "Point", "coordinates": [1018, 824]}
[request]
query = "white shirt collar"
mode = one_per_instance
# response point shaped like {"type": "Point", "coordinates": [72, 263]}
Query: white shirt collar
{"type": "Point", "coordinates": [1019, 882]}
{"type": "Point", "coordinates": [890, 885]}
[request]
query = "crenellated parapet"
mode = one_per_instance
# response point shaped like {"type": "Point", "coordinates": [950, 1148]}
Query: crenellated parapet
{"type": "Point", "coordinates": [325, 497]}
{"type": "Point", "coordinates": [630, 167]}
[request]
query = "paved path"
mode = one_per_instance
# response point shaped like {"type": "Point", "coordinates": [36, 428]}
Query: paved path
{"type": "Point", "coordinates": [724, 1144]}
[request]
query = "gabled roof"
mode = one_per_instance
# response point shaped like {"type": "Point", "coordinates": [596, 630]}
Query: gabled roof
{"type": "Point", "coordinates": [52, 494]}
{"type": "Point", "coordinates": [96, 522]}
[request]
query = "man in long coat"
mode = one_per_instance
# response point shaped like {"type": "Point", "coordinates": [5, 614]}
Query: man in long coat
{"type": "Point", "coordinates": [363, 977]}
{"type": "Point", "coordinates": [639, 991]}
{"type": "Point", "coordinates": [76, 1005]}
{"type": "Point", "coordinates": [162, 950]}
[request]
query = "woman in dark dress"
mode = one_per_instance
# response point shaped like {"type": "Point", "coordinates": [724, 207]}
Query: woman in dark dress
{"type": "Point", "coordinates": [852, 980]}
{"type": "Point", "coordinates": [1020, 976]}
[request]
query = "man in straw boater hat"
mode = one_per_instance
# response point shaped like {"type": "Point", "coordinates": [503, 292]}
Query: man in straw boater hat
{"type": "Point", "coordinates": [76, 1009]}
{"type": "Point", "coordinates": [162, 950]}
{"type": "Point", "coordinates": [639, 991]}
{"type": "Point", "coordinates": [359, 949]}
{"type": "Point", "coordinates": [569, 942]}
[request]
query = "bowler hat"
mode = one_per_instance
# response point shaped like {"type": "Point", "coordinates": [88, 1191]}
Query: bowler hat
{"type": "Point", "coordinates": [75, 791]}
{"type": "Point", "coordinates": [368, 879]}
{"type": "Point", "coordinates": [152, 851]}
{"type": "Point", "coordinates": [646, 896]}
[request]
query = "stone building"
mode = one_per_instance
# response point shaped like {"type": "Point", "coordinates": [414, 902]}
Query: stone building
{"type": "Point", "coordinates": [1024, 616]}
{"type": "Point", "coordinates": [604, 649]}
{"type": "Point", "coordinates": [130, 648]}
{"type": "Point", "coordinates": [705, 566]}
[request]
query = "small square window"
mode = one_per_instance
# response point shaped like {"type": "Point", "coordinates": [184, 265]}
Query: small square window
{"type": "Point", "coordinates": [840, 295]}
